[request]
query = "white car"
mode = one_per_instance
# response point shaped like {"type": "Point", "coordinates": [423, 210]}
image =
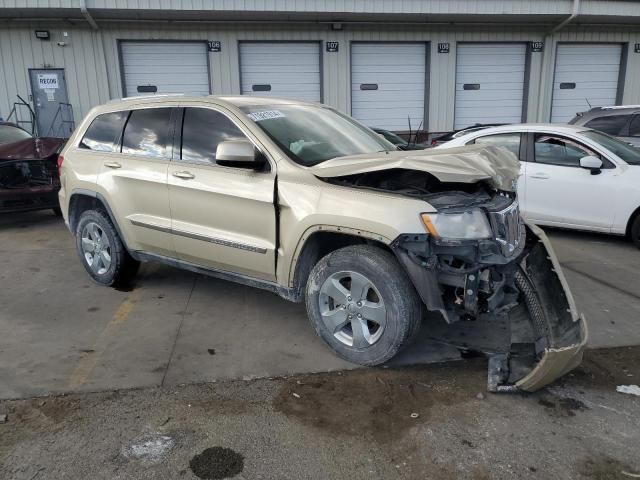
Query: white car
{"type": "Point", "coordinates": [571, 176]}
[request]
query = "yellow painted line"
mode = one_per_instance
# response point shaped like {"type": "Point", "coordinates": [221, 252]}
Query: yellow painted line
{"type": "Point", "coordinates": [87, 363]}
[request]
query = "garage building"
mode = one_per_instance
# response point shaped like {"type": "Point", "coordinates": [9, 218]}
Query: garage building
{"type": "Point", "coordinates": [429, 64]}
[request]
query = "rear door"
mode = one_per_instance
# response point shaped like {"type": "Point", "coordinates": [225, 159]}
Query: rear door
{"type": "Point", "coordinates": [134, 179]}
{"type": "Point", "coordinates": [561, 193]}
{"type": "Point", "coordinates": [222, 217]}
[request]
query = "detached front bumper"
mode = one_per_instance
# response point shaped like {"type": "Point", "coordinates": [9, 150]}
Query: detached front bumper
{"type": "Point", "coordinates": [524, 289]}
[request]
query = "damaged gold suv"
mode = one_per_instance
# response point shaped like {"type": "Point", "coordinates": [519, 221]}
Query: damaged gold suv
{"type": "Point", "coordinates": [303, 201]}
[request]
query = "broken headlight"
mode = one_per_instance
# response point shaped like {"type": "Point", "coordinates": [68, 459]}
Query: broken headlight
{"type": "Point", "coordinates": [471, 224]}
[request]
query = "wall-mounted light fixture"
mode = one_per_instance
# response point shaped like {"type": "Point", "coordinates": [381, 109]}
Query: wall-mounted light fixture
{"type": "Point", "coordinates": [42, 34]}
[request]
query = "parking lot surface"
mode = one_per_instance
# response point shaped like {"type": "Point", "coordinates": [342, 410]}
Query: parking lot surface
{"type": "Point", "coordinates": [183, 363]}
{"type": "Point", "coordinates": [430, 422]}
{"type": "Point", "coordinates": [62, 333]}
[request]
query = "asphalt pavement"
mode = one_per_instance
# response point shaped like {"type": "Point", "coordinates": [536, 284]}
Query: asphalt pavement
{"type": "Point", "coordinates": [63, 333]}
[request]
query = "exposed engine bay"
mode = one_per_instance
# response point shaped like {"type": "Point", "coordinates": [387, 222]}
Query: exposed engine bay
{"type": "Point", "coordinates": [27, 173]}
{"type": "Point", "coordinates": [510, 278]}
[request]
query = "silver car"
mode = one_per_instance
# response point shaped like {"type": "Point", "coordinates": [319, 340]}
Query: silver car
{"type": "Point", "coordinates": [619, 121]}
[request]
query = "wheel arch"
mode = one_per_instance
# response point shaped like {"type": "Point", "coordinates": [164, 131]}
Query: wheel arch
{"type": "Point", "coordinates": [82, 200]}
{"type": "Point", "coordinates": [632, 218]}
{"type": "Point", "coordinates": [318, 241]}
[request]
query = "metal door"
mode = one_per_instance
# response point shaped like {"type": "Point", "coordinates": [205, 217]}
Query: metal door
{"type": "Point", "coordinates": [388, 84]}
{"type": "Point", "coordinates": [490, 83]}
{"type": "Point", "coordinates": [54, 117]}
{"type": "Point", "coordinates": [586, 76]}
{"type": "Point", "coordinates": [150, 68]}
{"type": "Point", "coordinates": [281, 69]}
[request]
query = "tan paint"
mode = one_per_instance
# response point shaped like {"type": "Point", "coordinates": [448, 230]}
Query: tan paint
{"type": "Point", "coordinates": [225, 218]}
{"type": "Point", "coordinates": [463, 164]}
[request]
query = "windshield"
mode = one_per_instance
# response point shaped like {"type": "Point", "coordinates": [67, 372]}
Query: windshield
{"type": "Point", "coordinates": [392, 137]}
{"type": "Point", "coordinates": [10, 134]}
{"type": "Point", "coordinates": [310, 135]}
{"type": "Point", "coordinates": [626, 152]}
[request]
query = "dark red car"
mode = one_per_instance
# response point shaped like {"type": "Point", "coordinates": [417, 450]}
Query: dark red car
{"type": "Point", "coordinates": [28, 170]}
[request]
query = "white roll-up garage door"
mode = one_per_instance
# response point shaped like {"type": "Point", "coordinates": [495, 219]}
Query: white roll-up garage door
{"type": "Point", "coordinates": [281, 69]}
{"type": "Point", "coordinates": [388, 84]}
{"type": "Point", "coordinates": [585, 76]}
{"type": "Point", "coordinates": [489, 83]}
{"type": "Point", "coordinates": [164, 67]}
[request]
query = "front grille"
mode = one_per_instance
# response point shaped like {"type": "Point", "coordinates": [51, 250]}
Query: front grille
{"type": "Point", "coordinates": [507, 227]}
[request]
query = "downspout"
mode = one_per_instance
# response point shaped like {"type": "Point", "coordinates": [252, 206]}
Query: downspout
{"type": "Point", "coordinates": [574, 14]}
{"type": "Point", "coordinates": [548, 54]}
{"type": "Point", "coordinates": [87, 16]}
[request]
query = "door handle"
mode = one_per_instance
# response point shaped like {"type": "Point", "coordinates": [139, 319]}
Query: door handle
{"type": "Point", "coordinates": [112, 164]}
{"type": "Point", "coordinates": [540, 176]}
{"type": "Point", "coordinates": [184, 175]}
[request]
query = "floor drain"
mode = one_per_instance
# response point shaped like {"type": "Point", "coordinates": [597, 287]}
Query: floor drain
{"type": "Point", "coordinates": [217, 463]}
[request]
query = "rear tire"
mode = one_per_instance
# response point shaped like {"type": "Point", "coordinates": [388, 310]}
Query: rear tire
{"type": "Point", "coordinates": [362, 304]}
{"type": "Point", "coordinates": [635, 231]}
{"type": "Point", "coordinates": [101, 251]}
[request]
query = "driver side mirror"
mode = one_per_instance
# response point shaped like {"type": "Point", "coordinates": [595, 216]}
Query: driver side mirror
{"type": "Point", "coordinates": [594, 164]}
{"type": "Point", "coordinates": [238, 153]}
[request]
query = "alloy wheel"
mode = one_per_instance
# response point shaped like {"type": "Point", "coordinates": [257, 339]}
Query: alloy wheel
{"type": "Point", "coordinates": [352, 309]}
{"type": "Point", "coordinates": [96, 248]}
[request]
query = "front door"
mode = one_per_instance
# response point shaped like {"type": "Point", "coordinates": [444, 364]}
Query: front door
{"type": "Point", "coordinates": [559, 192]}
{"type": "Point", "coordinates": [53, 113]}
{"type": "Point", "coordinates": [222, 217]}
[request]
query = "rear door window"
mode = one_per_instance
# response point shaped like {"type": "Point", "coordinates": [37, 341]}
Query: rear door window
{"type": "Point", "coordinates": [612, 124]}
{"type": "Point", "coordinates": [202, 130]}
{"type": "Point", "coordinates": [148, 132]}
{"type": "Point", "coordinates": [103, 135]}
{"type": "Point", "coordinates": [510, 141]}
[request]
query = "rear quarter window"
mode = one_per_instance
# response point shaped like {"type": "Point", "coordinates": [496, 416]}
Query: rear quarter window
{"type": "Point", "coordinates": [612, 124]}
{"type": "Point", "coordinates": [103, 135]}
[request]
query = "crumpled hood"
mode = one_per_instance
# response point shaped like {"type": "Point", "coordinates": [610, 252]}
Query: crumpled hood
{"type": "Point", "coordinates": [469, 164]}
{"type": "Point", "coordinates": [30, 149]}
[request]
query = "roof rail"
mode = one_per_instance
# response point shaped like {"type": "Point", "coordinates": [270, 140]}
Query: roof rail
{"type": "Point", "coordinates": [139, 97]}
{"type": "Point", "coordinates": [615, 107]}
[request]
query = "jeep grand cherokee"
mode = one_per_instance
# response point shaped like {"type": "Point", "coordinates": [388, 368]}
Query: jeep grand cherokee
{"type": "Point", "coordinates": [301, 200]}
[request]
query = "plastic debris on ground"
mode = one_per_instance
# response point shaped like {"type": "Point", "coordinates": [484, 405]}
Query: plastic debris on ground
{"type": "Point", "coordinates": [630, 389]}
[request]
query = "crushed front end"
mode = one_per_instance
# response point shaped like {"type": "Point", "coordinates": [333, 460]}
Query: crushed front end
{"type": "Point", "coordinates": [508, 280]}
{"type": "Point", "coordinates": [28, 185]}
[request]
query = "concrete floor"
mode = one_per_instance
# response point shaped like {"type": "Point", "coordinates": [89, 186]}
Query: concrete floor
{"type": "Point", "coordinates": [430, 422]}
{"type": "Point", "coordinates": [62, 333]}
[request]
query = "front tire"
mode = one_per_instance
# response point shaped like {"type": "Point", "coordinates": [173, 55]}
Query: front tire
{"type": "Point", "coordinates": [362, 304]}
{"type": "Point", "coordinates": [101, 251]}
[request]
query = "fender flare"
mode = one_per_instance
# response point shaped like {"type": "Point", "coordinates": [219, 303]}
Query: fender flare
{"type": "Point", "coordinates": [293, 264]}
{"type": "Point", "coordinates": [101, 199]}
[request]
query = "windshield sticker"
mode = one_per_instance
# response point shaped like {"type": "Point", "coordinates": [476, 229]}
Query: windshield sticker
{"type": "Point", "coordinates": [266, 115]}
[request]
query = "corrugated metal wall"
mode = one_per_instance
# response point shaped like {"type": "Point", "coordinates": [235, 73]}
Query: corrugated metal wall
{"type": "Point", "coordinates": [82, 60]}
{"type": "Point", "coordinates": [516, 7]}
{"type": "Point", "coordinates": [92, 66]}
